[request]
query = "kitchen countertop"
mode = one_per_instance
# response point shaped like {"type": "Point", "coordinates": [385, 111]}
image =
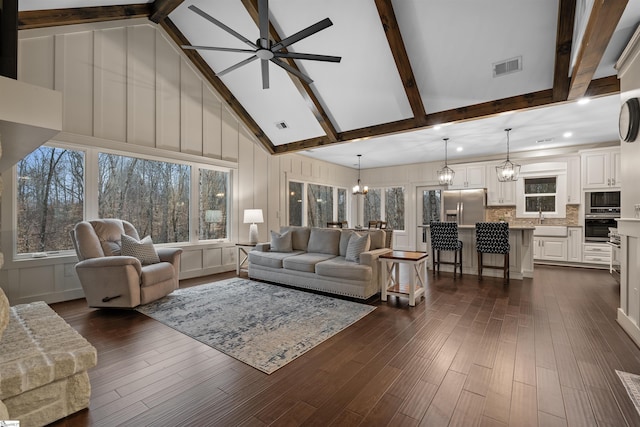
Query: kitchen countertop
{"type": "Point", "coordinates": [511, 227]}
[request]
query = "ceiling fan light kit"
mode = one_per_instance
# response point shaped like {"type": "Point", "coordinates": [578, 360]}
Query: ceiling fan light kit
{"type": "Point", "coordinates": [446, 174]}
{"type": "Point", "coordinates": [507, 170]}
{"type": "Point", "coordinates": [264, 49]}
{"type": "Point", "coordinates": [359, 188]}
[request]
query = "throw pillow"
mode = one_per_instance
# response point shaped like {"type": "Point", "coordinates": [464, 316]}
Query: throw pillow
{"type": "Point", "coordinates": [357, 245]}
{"type": "Point", "coordinates": [143, 249]}
{"type": "Point", "coordinates": [281, 242]}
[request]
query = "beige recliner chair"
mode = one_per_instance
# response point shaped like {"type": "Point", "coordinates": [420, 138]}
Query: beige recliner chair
{"type": "Point", "coordinates": [110, 279]}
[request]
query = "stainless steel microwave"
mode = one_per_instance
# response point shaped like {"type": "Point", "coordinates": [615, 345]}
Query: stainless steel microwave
{"type": "Point", "coordinates": [602, 200]}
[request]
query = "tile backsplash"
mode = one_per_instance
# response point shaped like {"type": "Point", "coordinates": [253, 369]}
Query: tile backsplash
{"type": "Point", "coordinates": [508, 214]}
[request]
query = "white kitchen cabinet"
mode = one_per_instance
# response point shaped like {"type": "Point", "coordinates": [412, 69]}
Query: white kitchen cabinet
{"type": "Point", "coordinates": [468, 176]}
{"type": "Point", "coordinates": [499, 193]}
{"type": "Point", "coordinates": [601, 169]}
{"type": "Point", "coordinates": [574, 190]}
{"type": "Point", "coordinates": [597, 253]}
{"type": "Point", "coordinates": [574, 244]}
{"type": "Point", "coordinates": [550, 248]}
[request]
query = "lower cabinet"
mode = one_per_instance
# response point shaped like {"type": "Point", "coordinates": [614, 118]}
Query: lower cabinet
{"type": "Point", "coordinates": [597, 253]}
{"type": "Point", "coordinates": [574, 244]}
{"type": "Point", "coordinates": [550, 248]}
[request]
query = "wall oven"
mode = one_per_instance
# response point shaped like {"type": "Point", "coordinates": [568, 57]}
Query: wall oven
{"type": "Point", "coordinates": [596, 226]}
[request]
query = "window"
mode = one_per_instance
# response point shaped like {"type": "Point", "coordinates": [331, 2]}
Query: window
{"type": "Point", "coordinates": [152, 195]}
{"type": "Point", "coordinates": [314, 205]}
{"type": "Point", "coordinates": [50, 199]}
{"type": "Point", "coordinates": [540, 194]}
{"type": "Point", "coordinates": [392, 200]}
{"type": "Point", "coordinates": [214, 206]}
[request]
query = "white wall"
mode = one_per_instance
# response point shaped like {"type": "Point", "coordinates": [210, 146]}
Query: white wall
{"type": "Point", "coordinates": [127, 86]}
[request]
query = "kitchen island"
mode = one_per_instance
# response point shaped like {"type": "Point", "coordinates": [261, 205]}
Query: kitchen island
{"type": "Point", "coordinates": [520, 254]}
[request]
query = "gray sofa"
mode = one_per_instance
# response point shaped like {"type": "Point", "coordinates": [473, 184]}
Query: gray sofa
{"type": "Point", "coordinates": [318, 260]}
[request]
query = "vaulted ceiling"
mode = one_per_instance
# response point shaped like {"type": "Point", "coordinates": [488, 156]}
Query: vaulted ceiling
{"type": "Point", "coordinates": [409, 68]}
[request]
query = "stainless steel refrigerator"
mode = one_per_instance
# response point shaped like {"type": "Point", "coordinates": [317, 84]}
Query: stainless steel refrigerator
{"type": "Point", "coordinates": [466, 207]}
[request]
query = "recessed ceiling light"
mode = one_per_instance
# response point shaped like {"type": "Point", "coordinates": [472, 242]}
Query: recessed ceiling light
{"type": "Point", "coordinates": [567, 134]}
{"type": "Point", "coordinates": [459, 149]}
{"type": "Point", "coordinates": [583, 101]}
{"type": "Point", "coordinates": [437, 127]}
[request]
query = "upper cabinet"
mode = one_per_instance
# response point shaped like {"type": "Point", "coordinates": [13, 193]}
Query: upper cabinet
{"type": "Point", "coordinates": [468, 176]}
{"type": "Point", "coordinates": [574, 192]}
{"type": "Point", "coordinates": [601, 169]}
{"type": "Point", "coordinates": [499, 193]}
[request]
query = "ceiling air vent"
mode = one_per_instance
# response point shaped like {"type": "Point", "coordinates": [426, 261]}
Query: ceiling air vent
{"type": "Point", "coordinates": [507, 66]}
{"type": "Point", "coordinates": [282, 125]}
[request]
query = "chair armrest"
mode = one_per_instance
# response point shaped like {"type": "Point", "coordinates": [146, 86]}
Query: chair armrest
{"type": "Point", "coordinates": [111, 261]}
{"type": "Point", "coordinates": [263, 247]}
{"type": "Point", "coordinates": [168, 254]}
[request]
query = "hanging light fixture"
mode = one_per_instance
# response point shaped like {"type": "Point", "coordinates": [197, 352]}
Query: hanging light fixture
{"type": "Point", "coordinates": [359, 188]}
{"type": "Point", "coordinates": [446, 174]}
{"type": "Point", "coordinates": [508, 171]}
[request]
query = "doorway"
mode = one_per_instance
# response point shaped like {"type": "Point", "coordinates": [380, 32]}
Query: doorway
{"type": "Point", "coordinates": [428, 208]}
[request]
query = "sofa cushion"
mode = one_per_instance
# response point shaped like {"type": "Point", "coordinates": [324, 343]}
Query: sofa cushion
{"type": "Point", "coordinates": [378, 239]}
{"type": "Point", "coordinates": [109, 232]}
{"type": "Point", "coordinates": [270, 259]}
{"type": "Point", "coordinates": [340, 268]}
{"type": "Point", "coordinates": [281, 242]}
{"type": "Point", "coordinates": [324, 241]}
{"type": "Point", "coordinates": [4, 312]}
{"type": "Point", "coordinates": [153, 274]}
{"type": "Point", "coordinates": [305, 262]}
{"type": "Point", "coordinates": [357, 245]}
{"type": "Point", "coordinates": [299, 237]}
{"type": "Point", "coordinates": [143, 249]}
{"type": "Point", "coordinates": [345, 235]}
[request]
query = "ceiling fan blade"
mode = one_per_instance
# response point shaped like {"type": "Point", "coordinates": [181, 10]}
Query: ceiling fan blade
{"type": "Point", "coordinates": [214, 21]}
{"type": "Point", "coordinates": [265, 73]}
{"type": "Point", "coordinates": [318, 26]}
{"type": "Point", "coordinates": [310, 56]}
{"type": "Point", "coordinates": [238, 65]}
{"type": "Point", "coordinates": [291, 70]}
{"type": "Point", "coordinates": [222, 49]}
{"type": "Point", "coordinates": [263, 19]}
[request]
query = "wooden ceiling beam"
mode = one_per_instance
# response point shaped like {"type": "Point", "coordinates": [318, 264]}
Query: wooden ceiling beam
{"type": "Point", "coordinates": [599, 87]}
{"type": "Point", "coordinates": [603, 20]}
{"type": "Point", "coordinates": [162, 8]}
{"type": "Point", "coordinates": [56, 17]}
{"type": "Point", "coordinates": [564, 40]}
{"type": "Point", "coordinates": [202, 66]}
{"type": "Point", "coordinates": [399, 51]}
{"type": "Point", "coordinates": [303, 88]}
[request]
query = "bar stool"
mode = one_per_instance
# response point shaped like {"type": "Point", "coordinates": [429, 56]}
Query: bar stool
{"type": "Point", "coordinates": [493, 238]}
{"type": "Point", "coordinates": [444, 237]}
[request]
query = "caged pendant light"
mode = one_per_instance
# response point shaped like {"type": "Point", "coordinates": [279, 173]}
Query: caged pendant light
{"type": "Point", "coordinates": [446, 174]}
{"type": "Point", "coordinates": [359, 188]}
{"type": "Point", "coordinates": [507, 170]}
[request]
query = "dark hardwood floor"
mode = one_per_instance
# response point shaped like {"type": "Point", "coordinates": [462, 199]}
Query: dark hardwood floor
{"type": "Point", "coordinates": [541, 352]}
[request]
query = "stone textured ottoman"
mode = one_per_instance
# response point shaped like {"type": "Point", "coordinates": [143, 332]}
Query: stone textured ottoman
{"type": "Point", "coordinates": [43, 365]}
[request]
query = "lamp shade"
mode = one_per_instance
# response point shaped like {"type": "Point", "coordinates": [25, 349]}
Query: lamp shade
{"type": "Point", "coordinates": [253, 216]}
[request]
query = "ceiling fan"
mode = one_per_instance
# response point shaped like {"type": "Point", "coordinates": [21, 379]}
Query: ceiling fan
{"type": "Point", "coordinates": [264, 48]}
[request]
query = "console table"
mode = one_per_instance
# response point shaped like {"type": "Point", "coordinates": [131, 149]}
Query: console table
{"type": "Point", "coordinates": [391, 285]}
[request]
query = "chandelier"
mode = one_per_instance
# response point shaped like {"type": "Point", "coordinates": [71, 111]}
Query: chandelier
{"type": "Point", "coordinates": [359, 188]}
{"type": "Point", "coordinates": [507, 170]}
{"type": "Point", "coordinates": [446, 174]}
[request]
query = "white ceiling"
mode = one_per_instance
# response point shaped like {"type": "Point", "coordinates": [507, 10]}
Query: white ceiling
{"type": "Point", "coordinates": [451, 46]}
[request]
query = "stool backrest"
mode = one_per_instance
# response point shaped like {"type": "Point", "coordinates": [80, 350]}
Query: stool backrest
{"type": "Point", "coordinates": [492, 237]}
{"type": "Point", "coordinates": [444, 235]}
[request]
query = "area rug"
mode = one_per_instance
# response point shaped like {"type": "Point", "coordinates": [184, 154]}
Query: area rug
{"type": "Point", "coordinates": [632, 384]}
{"type": "Point", "coordinates": [263, 325]}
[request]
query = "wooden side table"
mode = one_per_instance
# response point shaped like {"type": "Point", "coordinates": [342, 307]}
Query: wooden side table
{"type": "Point", "coordinates": [391, 285]}
{"type": "Point", "coordinates": [242, 255]}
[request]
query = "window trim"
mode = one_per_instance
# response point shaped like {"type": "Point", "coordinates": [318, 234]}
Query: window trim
{"type": "Point", "coordinates": [557, 170]}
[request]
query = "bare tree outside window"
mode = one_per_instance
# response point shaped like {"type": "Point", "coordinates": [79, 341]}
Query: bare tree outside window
{"type": "Point", "coordinates": [342, 204]}
{"type": "Point", "coordinates": [152, 195]}
{"type": "Point", "coordinates": [214, 213]}
{"type": "Point", "coordinates": [394, 207]}
{"type": "Point", "coordinates": [373, 205]}
{"type": "Point", "coordinates": [319, 205]}
{"type": "Point", "coordinates": [50, 199]}
{"type": "Point", "coordinates": [295, 203]}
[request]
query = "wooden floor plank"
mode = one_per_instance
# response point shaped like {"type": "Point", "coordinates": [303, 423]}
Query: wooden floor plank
{"type": "Point", "coordinates": [541, 351]}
